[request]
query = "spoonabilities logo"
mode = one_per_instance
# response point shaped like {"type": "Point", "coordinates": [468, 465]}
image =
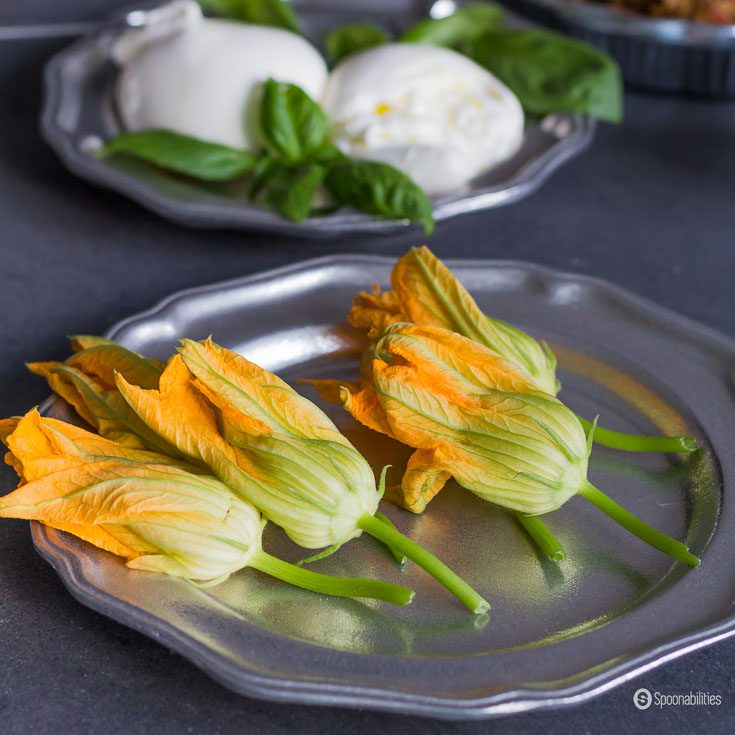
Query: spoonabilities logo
{"type": "Point", "coordinates": [642, 698]}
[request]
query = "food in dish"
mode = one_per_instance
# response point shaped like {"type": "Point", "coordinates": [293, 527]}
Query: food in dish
{"type": "Point", "coordinates": [700, 11]}
{"type": "Point", "coordinates": [426, 292]}
{"type": "Point", "coordinates": [429, 111]}
{"type": "Point", "coordinates": [387, 127]}
{"type": "Point", "coordinates": [203, 77]}
{"type": "Point", "coordinates": [159, 515]}
{"type": "Point", "coordinates": [497, 360]}
{"type": "Point", "coordinates": [472, 415]}
{"type": "Point", "coordinates": [270, 446]}
{"type": "Point", "coordinates": [206, 443]}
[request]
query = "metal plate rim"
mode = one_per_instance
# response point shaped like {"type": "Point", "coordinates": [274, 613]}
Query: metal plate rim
{"type": "Point", "coordinates": [544, 271]}
{"type": "Point", "coordinates": [275, 689]}
{"type": "Point", "coordinates": [515, 699]}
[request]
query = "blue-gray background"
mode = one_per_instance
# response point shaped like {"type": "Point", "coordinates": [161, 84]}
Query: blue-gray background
{"type": "Point", "coordinates": [650, 206]}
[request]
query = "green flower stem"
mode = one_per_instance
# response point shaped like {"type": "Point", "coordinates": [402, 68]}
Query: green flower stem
{"type": "Point", "coordinates": [328, 585]}
{"type": "Point", "coordinates": [639, 443]}
{"type": "Point", "coordinates": [399, 556]}
{"type": "Point", "coordinates": [637, 527]}
{"type": "Point", "coordinates": [549, 544]}
{"type": "Point", "coordinates": [441, 572]}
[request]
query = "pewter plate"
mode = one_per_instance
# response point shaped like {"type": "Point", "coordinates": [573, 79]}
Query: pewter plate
{"type": "Point", "coordinates": [556, 635]}
{"type": "Point", "coordinates": [78, 112]}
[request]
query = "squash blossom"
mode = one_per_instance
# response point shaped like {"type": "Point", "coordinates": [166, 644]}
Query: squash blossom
{"type": "Point", "coordinates": [426, 292]}
{"type": "Point", "coordinates": [142, 507]}
{"type": "Point", "coordinates": [475, 416]}
{"type": "Point", "coordinates": [86, 381]}
{"type": "Point", "coordinates": [276, 449]}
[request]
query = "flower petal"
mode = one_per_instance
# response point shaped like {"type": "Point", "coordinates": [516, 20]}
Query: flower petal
{"type": "Point", "coordinates": [43, 445]}
{"type": "Point", "coordinates": [63, 387]}
{"type": "Point", "coordinates": [430, 294]}
{"type": "Point", "coordinates": [266, 403]}
{"type": "Point", "coordinates": [452, 363]}
{"type": "Point", "coordinates": [102, 361]}
{"type": "Point", "coordinates": [376, 310]}
{"type": "Point", "coordinates": [361, 401]}
{"type": "Point", "coordinates": [180, 415]}
{"type": "Point", "coordinates": [423, 479]}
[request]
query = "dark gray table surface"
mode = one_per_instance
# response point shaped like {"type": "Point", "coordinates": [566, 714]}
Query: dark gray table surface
{"type": "Point", "coordinates": [649, 206]}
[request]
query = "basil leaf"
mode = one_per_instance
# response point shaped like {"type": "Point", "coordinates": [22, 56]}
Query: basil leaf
{"type": "Point", "coordinates": [377, 188]}
{"type": "Point", "coordinates": [290, 191]}
{"type": "Point", "coordinates": [328, 154]}
{"type": "Point", "coordinates": [293, 126]}
{"type": "Point", "coordinates": [456, 30]}
{"type": "Point", "coordinates": [260, 173]}
{"type": "Point", "coordinates": [260, 12]}
{"type": "Point", "coordinates": [183, 154]}
{"type": "Point", "coordinates": [549, 72]}
{"type": "Point", "coordinates": [351, 38]}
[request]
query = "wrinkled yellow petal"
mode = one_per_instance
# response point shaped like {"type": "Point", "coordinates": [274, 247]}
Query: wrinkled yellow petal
{"type": "Point", "coordinates": [101, 362]}
{"type": "Point", "coordinates": [362, 403]}
{"type": "Point", "coordinates": [63, 388]}
{"type": "Point", "coordinates": [376, 310]}
{"type": "Point", "coordinates": [452, 364]}
{"type": "Point", "coordinates": [86, 382]}
{"type": "Point", "coordinates": [100, 492]}
{"type": "Point", "coordinates": [422, 480]}
{"type": "Point", "coordinates": [112, 416]}
{"type": "Point", "coordinates": [97, 536]}
{"type": "Point", "coordinates": [262, 403]}
{"type": "Point", "coordinates": [7, 427]}
{"type": "Point", "coordinates": [33, 453]}
{"type": "Point", "coordinates": [180, 414]}
{"type": "Point", "coordinates": [41, 445]}
{"type": "Point", "coordinates": [81, 342]}
{"type": "Point", "coordinates": [12, 461]}
{"type": "Point", "coordinates": [430, 294]}
{"type": "Point", "coordinates": [91, 394]}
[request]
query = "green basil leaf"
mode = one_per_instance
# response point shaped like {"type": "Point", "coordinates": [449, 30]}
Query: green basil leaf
{"type": "Point", "coordinates": [549, 72]}
{"type": "Point", "coordinates": [351, 38]}
{"type": "Point", "coordinates": [293, 126]}
{"type": "Point", "coordinates": [329, 154]}
{"type": "Point", "coordinates": [183, 154]}
{"type": "Point", "coordinates": [260, 173]}
{"type": "Point", "coordinates": [260, 12]}
{"type": "Point", "coordinates": [461, 27]}
{"type": "Point", "coordinates": [380, 189]}
{"type": "Point", "coordinates": [290, 191]}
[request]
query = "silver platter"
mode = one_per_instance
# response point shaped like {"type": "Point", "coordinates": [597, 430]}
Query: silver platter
{"type": "Point", "coordinates": [79, 112]}
{"type": "Point", "coordinates": [557, 635]}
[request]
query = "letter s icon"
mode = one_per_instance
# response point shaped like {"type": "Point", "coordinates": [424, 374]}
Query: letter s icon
{"type": "Point", "coordinates": [642, 699]}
